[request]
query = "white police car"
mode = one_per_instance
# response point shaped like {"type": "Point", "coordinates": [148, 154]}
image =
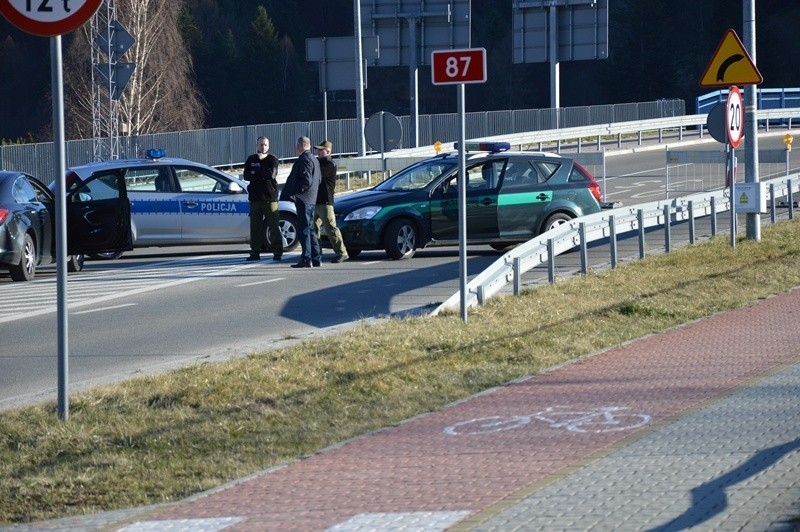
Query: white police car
{"type": "Point", "coordinates": [179, 202]}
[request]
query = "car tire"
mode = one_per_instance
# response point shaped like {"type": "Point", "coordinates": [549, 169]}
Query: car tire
{"type": "Point", "coordinates": [400, 239]}
{"type": "Point", "coordinates": [554, 220]}
{"type": "Point", "coordinates": [288, 226]}
{"type": "Point", "coordinates": [106, 255]}
{"type": "Point", "coordinates": [353, 253]}
{"type": "Point", "coordinates": [26, 269]}
{"type": "Point", "coordinates": [75, 263]}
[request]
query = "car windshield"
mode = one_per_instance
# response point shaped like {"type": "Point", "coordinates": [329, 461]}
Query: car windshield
{"type": "Point", "coordinates": [418, 176]}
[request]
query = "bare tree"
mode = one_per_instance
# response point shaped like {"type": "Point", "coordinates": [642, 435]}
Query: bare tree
{"type": "Point", "coordinates": [161, 94]}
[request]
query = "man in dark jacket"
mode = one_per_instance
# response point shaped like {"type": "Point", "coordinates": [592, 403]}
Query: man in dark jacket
{"type": "Point", "coordinates": [302, 187]}
{"type": "Point", "coordinates": [261, 172]}
{"type": "Point", "coordinates": [324, 209]}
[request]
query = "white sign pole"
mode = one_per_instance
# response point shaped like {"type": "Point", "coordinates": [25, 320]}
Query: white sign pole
{"type": "Point", "coordinates": [732, 190]}
{"type": "Point", "coordinates": [61, 226]}
{"type": "Point", "coordinates": [734, 123]}
{"type": "Point", "coordinates": [462, 204]}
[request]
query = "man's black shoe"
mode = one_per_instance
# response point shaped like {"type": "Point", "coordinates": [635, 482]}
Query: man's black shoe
{"type": "Point", "coordinates": [276, 258]}
{"type": "Point", "coordinates": [253, 257]}
{"type": "Point", "coordinates": [316, 264]}
{"type": "Point", "coordinates": [302, 265]}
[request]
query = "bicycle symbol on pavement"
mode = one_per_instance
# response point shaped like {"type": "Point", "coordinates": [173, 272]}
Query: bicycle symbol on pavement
{"type": "Point", "coordinates": [600, 419]}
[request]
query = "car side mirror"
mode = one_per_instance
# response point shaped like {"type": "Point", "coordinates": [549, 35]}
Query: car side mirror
{"type": "Point", "coordinates": [235, 188]}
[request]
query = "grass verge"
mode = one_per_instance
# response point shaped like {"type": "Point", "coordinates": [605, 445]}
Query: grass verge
{"type": "Point", "coordinates": [161, 438]}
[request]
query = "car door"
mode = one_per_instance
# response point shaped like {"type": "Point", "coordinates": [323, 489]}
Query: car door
{"type": "Point", "coordinates": [212, 209]}
{"type": "Point", "coordinates": [155, 209]}
{"type": "Point", "coordinates": [98, 215]}
{"type": "Point", "coordinates": [40, 210]}
{"type": "Point", "coordinates": [481, 201]}
{"type": "Point", "coordinates": [524, 197]}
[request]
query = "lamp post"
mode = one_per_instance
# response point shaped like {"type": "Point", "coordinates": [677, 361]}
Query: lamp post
{"type": "Point", "coordinates": [359, 78]}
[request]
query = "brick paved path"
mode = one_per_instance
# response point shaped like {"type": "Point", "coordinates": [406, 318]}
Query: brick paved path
{"type": "Point", "coordinates": [423, 476]}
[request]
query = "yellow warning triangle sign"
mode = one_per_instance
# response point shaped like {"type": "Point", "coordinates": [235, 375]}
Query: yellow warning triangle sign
{"type": "Point", "coordinates": [730, 65]}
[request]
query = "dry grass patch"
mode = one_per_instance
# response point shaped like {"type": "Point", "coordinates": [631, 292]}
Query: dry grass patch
{"type": "Point", "coordinates": [160, 438]}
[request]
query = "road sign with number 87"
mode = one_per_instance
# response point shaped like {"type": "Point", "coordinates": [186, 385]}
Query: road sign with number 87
{"type": "Point", "coordinates": [458, 66]}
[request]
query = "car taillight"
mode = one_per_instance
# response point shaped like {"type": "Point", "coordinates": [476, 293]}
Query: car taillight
{"type": "Point", "coordinates": [3, 215]}
{"type": "Point", "coordinates": [594, 186]}
{"type": "Point", "coordinates": [70, 180]}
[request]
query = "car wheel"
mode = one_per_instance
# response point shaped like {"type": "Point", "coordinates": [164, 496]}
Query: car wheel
{"type": "Point", "coordinates": [288, 226]}
{"type": "Point", "coordinates": [26, 269]}
{"type": "Point", "coordinates": [75, 263]}
{"type": "Point", "coordinates": [400, 239]}
{"type": "Point", "coordinates": [554, 220]}
{"type": "Point", "coordinates": [106, 255]}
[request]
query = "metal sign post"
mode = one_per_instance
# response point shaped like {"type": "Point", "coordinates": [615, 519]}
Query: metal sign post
{"type": "Point", "coordinates": [338, 70]}
{"type": "Point", "coordinates": [459, 67]}
{"type": "Point", "coordinates": [383, 132]}
{"type": "Point", "coordinates": [734, 122]}
{"type": "Point", "coordinates": [732, 189]}
{"type": "Point", "coordinates": [409, 31]}
{"type": "Point", "coordinates": [53, 20]}
{"type": "Point", "coordinates": [565, 30]}
{"type": "Point", "coordinates": [730, 66]}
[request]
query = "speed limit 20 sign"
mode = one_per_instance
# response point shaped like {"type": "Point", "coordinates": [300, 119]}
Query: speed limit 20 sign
{"type": "Point", "coordinates": [734, 116]}
{"type": "Point", "coordinates": [48, 18]}
{"type": "Point", "coordinates": [467, 65]}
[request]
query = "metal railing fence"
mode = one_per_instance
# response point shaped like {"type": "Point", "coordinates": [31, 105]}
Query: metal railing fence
{"type": "Point", "coordinates": [767, 99]}
{"type": "Point", "coordinates": [228, 147]}
{"type": "Point", "coordinates": [596, 136]}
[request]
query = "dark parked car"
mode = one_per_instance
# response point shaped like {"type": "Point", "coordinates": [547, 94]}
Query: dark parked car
{"type": "Point", "coordinates": [511, 197]}
{"type": "Point", "coordinates": [98, 220]}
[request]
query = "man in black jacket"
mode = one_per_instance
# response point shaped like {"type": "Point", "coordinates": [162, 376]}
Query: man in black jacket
{"type": "Point", "coordinates": [302, 187]}
{"type": "Point", "coordinates": [325, 215]}
{"type": "Point", "coordinates": [261, 172]}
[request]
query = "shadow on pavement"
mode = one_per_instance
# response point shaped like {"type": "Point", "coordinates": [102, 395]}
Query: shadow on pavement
{"type": "Point", "coordinates": [710, 499]}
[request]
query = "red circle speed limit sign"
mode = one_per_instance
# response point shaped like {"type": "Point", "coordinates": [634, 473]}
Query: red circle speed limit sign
{"type": "Point", "coordinates": [734, 116]}
{"type": "Point", "coordinates": [458, 66]}
{"type": "Point", "coordinates": [48, 18]}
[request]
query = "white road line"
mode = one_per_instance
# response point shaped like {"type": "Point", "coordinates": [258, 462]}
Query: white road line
{"type": "Point", "coordinates": [170, 273]}
{"type": "Point", "coordinates": [639, 172]}
{"type": "Point", "coordinates": [260, 282]}
{"type": "Point", "coordinates": [104, 309]}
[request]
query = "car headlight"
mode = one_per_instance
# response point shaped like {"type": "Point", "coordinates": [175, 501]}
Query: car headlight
{"type": "Point", "coordinates": [364, 213]}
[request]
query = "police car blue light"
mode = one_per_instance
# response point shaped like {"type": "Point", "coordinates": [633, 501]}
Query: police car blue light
{"type": "Point", "coordinates": [156, 153]}
{"type": "Point", "coordinates": [492, 147]}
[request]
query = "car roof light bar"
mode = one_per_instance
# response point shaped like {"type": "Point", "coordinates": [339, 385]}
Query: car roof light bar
{"type": "Point", "coordinates": [493, 147]}
{"type": "Point", "coordinates": [155, 153]}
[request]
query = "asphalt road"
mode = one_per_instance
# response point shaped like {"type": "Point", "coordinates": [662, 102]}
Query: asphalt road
{"type": "Point", "coordinates": [160, 308]}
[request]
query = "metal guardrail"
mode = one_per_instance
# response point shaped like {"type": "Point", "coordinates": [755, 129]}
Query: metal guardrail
{"type": "Point", "coordinates": [765, 99]}
{"type": "Point", "coordinates": [543, 249]}
{"type": "Point", "coordinates": [598, 136]}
